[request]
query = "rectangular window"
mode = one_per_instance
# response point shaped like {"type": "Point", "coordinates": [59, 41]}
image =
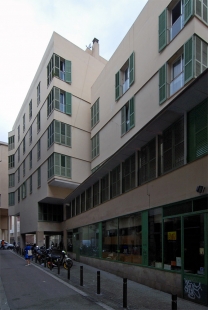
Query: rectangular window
{"type": "Point", "coordinates": [128, 174]}
{"type": "Point", "coordinates": [88, 198]}
{"type": "Point", "coordinates": [105, 188]}
{"type": "Point", "coordinates": [147, 162]}
{"type": "Point", "coordinates": [173, 146]}
{"type": "Point", "coordinates": [18, 174]}
{"type": "Point", "coordinates": [31, 184]}
{"type": "Point", "coordinates": [155, 237]}
{"type": "Point", "coordinates": [23, 123]}
{"type": "Point", "coordinates": [95, 113]}
{"type": "Point", "coordinates": [50, 213]}
{"type": "Point", "coordinates": [127, 116]}
{"type": "Point", "coordinates": [18, 194]}
{"type": "Point", "coordinates": [30, 110]}
{"type": "Point", "coordinates": [39, 176]}
{"type": "Point", "coordinates": [96, 194]}
{"type": "Point", "coordinates": [11, 161]}
{"type": "Point", "coordinates": [30, 160]}
{"type": "Point", "coordinates": [197, 123]}
{"type": "Point", "coordinates": [24, 190]}
{"type": "Point", "coordinates": [110, 239]}
{"type": "Point", "coordinates": [23, 145]}
{"type": "Point", "coordinates": [68, 211]}
{"type": "Point", "coordinates": [38, 122]}
{"type": "Point", "coordinates": [78, 207]}
{"type": "Point", "coordinates": [18, 133]}
{"type": "Point", "coordinates": [59, 100]}
{"type": "Point", "coordinates": [59, 164]}
{"type": "Point", "coordinates": [11, 199]}
{"type": "Point", "coordinates": [124, 78]}
{"type": "Point", "coordinates": [60, 68]}
{"type": "Point", "coordinates": [201, 9]}
{"type": "Point", "coordinates": [73, 208]}
{"type": "Point", "coordinates": [95, 146]}
{"type": "Point", "coordinates": [30, 135]}
{"type": "Point", "coordinates": [38, 150]}
{"type": "Point", "coordinates": [177, 75]}
{"type": "Point", "coordinates": [11, 180]}
{"type": "Point", "coordinates": [18, 154]}
{"type": "Point", "coordinates": [11, 143]}
{"type": "Point", "coordinates": [115, 177]}
{"type": "Point", "coordinates": [23, 167]}
{"type": "Point", "coordinates": [83, 202]}
{"type": "Point", "coordinates": [38, 94]}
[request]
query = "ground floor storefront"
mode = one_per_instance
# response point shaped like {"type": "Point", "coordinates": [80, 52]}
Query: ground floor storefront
{"type": "Point", "coordinates": [165, 247]}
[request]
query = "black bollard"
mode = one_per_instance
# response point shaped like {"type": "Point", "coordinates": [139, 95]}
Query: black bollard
{"type": "Point", "coordinates": [174, 301]}
{"type": "Point", "coordinates": [81, 275]}
{"type": "Point", "coordinates": [58, 266]}
{"type": "Point", "coordinates": [124, 292]}
{"type": "Point", "coordinates": [98, 282]}
{"type": "Point", "coordinates": [51, 263]}
{"type": "Point", "coordinates": [68, 273]}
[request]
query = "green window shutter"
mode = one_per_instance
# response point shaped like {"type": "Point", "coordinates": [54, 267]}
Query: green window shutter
{"type": "Point", "coordinates": [188, 10]}
{"type": "Point", "coordinates": [123, 120]}
{"type": "Point", "coordinates": [93, 142]}
{"type": "Point", "coordinates": [117, 85]}
{"type": "Point", "coordinates": [63, 133]}
{"type": "Point", "coordinates": [68, 135]}
{"type": "Point", "coordinates": [57, 131]}
{"type": "Point", "coordinates": [57, 97]}
{"type": "Point", "coordinates": [92, 109]}
{"type": "Point", "coordinates": [162, 84]}
{"type": "Point", "coordinates": [162, 30]}
{"type": "Point", "coordinates": [131, 103]}
{"type": "Point", "coordinates": [57, 65]}
{"type": "Point", "coordinates": [68, 71]}
{"type": "Point", "coordinates": [188, 60]}
{"type": "Point", "coordinates": [97, 144]}
{"type": "Point", "coordinates": [68, 103]}
{"type": "Point", "coordinates": [57, 164]}
{"type": "Point", "coordinates": [97, 111]}
{"type": "Point", "coordinates": [68, 167]}
{"type": "Point", "coordinates": [131, 69]}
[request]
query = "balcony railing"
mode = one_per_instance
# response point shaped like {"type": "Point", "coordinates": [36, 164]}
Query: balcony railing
{"type": "Point", "coordinates": [125, 86]}
{"type": "Point", "coordinates": [176, 27]}
{"type": "Point", "coordinates": [177, 83]}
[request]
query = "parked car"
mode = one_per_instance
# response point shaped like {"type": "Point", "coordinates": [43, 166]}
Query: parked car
{"type": "Point", "coordinates": [7, 245]}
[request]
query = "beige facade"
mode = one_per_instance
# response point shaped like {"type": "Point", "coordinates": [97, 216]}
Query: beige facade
{"type": "Point", "coordinates": [4, 224]}
{"type": "Point", "coordinates": [136, 196]}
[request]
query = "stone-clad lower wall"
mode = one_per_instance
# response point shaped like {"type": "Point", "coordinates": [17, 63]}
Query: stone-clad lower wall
{"type": "Point", "coordinates": [162, 280]}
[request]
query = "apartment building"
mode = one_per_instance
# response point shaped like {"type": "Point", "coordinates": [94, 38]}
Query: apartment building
{"type": "Point", "coordinates": [143, 212]}
{"type": "Point", "coordinates": [49, 146]}
{"type": "Point", "coordinates": [129, 193]}
{"type": "Point", "coordinates": [4, 223]}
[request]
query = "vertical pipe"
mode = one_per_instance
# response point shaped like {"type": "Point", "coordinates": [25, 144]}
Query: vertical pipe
{"type": "Point", "coordinates": [98, 282]}
{"type": "Point", "coordinates": [124, 292]}
{"type": "Point", "coordinates": [81, 275]}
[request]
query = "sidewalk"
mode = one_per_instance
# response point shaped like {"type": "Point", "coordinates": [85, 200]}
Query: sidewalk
{"type": "Point", "coordinates": [111, 290]}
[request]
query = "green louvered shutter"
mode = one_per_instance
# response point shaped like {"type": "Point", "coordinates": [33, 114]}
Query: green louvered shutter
{"type": "Point", "coordinates": [92, 145]}
{"type": "Point", "coordinates": [56, 98]}
{"type": "Point", "coordinates": [123, 120]}
{"type": "Point", "coordinates": [63, 133]}
{"type": "Point", "coordinates": [131, 104]}
{"type": "Point", "coordinates": [162, 30]}
{"type": "Point", "coordinates": [162, 84]}
{"type": "Point", "coordinates": [68, 71]}
{"type": "Point", "coordinates": [68, 103]}
{"type": "Point", "coordinates": [92, 109]}
{"type": "Point", "coordinates": [68, 166]}
{"type": "Point", "coordinates": [97, 111]}
{"type": "Point", "coordinates": [57, 131]}
{"type": "Point", "coordinates": [68, 135]}
{"type": "Point", "coordinates": [57, 164]}
{"type": "Point", "coordinates": [56, 65]}
{"type": "Point", "coordinates": [131, 69]}
{"type": "Point", "coordinates": [188, 60]}
{"type": "Point", "coordinates": [97, 144]}
{"type": "Point", "coordinates": [188, 10]}
{"type": "Point", "coordinates": [117, 85]}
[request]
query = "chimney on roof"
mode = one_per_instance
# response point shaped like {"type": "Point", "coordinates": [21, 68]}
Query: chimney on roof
{"type": "Point", "coordinates": [95, 48]}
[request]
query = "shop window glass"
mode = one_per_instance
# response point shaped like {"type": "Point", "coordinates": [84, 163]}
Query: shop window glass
{"type": "Point", "coordinates": [89, 240]}
{"type": "Point", "coordinates": [69, 241]}
{"type": "Point", "coordinates": [194, 244]}
{"type": "Point", "coordinates": [110, 239]}
{"type": "Point", "coordinates": [130, 239]}
{"type": "Point", "coordinates": [172, 243]}
{"type": "Point", "coordinates": [155, 237]}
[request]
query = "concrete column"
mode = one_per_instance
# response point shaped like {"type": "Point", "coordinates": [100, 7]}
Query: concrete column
{"type": "Point", "coordinates": [40, 241]}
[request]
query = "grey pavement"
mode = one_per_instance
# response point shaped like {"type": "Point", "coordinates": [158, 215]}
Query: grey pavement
{"type": "Point", "coordinates": [36, 287]}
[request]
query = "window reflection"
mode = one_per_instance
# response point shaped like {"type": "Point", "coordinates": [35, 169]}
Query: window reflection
{"type": "Point", "coordinates": [155, 237]}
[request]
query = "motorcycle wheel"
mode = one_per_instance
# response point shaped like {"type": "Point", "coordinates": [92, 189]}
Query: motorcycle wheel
{"type": "Point", "coordinates": [65, 266]}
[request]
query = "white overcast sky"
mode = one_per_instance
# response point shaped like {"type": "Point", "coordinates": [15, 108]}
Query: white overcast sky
{"type": "Point", "coordinates": [26, 27]}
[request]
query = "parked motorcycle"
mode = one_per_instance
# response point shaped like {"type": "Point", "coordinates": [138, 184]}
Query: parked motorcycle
{"type": "Point", "coordinates": [59, 258]}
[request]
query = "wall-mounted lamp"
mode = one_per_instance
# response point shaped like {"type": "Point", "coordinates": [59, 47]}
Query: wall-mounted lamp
{"type": "Point", "coordinates": [200, 189]}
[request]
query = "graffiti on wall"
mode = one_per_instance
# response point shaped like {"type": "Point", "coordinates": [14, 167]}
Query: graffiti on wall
{"type": "Point", "coordinates": [192, 289]}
